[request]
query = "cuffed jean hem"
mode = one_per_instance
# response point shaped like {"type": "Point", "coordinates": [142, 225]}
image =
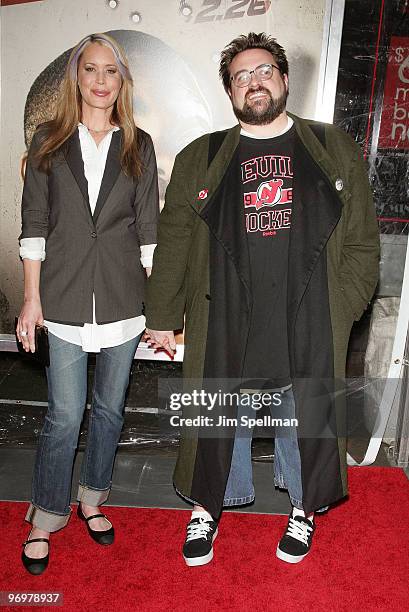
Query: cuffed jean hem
{"type": "Point", "coordinates": [92, 497]}
{"type": "Point", "coordinates": [48, 521]}
{"type": "Point", "coordinates": [238, 501]}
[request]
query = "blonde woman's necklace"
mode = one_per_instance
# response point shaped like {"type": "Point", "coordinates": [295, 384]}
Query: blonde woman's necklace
{"type": "Point", "coordinates": [98, 131]}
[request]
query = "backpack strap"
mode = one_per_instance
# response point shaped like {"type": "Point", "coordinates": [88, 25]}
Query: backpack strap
{"type": "Point", "coordinates": [319, 131]}
{"type": "Point", "coordinates": [215, 142]}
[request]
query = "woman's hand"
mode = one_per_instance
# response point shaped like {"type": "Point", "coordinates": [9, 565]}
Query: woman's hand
{"type": "Point", "coordinates": [161, 339]}
{"type": "Point", "coordinates": [31, 315]}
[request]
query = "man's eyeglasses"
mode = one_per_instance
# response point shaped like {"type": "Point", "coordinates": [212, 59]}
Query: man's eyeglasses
{"type": "Point", "coordinates": [262, 72]}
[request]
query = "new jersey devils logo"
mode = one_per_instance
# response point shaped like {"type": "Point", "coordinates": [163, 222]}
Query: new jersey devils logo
{"type": "Point", "coordinates": [269, 193]}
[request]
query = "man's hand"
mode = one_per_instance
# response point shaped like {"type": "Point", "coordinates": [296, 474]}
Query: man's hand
{"type": "Point", "coordinates": [161, 339]}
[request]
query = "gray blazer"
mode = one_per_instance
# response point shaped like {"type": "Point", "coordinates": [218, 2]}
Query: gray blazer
{"type": "Point", "coordinates": [91, 253]}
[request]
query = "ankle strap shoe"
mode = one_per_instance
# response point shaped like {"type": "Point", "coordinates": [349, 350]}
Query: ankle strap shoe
{"type": "Point", "coordinates": [101, 537]}
{"type": "Point", "coordinates": [35, 566]}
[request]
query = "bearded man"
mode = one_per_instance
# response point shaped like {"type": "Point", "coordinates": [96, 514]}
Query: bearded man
{"type": "Point", "coordinates": [268, 250]}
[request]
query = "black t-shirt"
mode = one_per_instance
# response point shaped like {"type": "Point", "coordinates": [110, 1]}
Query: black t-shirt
{"type": "Point", "coordinates": [266, 181]}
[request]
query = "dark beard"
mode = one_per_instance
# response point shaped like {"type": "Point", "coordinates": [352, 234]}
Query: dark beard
{"type": "Point", "coordinates": [253, 115]}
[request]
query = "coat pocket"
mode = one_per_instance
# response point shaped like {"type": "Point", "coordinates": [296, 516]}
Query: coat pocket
{"type": "Point", "coordinates": [352, 300]}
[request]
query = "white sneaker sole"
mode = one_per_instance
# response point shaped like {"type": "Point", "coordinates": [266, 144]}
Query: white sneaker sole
{"type": "Point", "coordinates": [196, 561]}
{"type": "Point", "coordinates": [289, 558]}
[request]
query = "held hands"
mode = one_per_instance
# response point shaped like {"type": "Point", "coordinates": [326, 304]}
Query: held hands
{"type": "Point", "coordinates": [31, 315]}
{"type": "Point", "coordinates": [161, 339]}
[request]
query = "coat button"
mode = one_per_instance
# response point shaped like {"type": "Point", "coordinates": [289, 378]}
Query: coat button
{"type": "Point", "coordinates": [339, 184]}
{"type": "Point", "coordinates": [93, 234]}
{"type": "Point", "coordinates": [208, 297]}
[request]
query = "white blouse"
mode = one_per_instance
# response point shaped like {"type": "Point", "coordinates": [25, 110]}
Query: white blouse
{"type": "Point", "coordinates": [91, 336]}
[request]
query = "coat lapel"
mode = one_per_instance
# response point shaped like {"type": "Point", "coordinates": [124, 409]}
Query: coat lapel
{"type": "Point", "coordinates": [217, 169]}
{"type": "Point", "coordinates": [72, 152]}
{"type": "Point", "coordinates": [222, 209]}
{"type": "Point", "coordinates": [316, 212]}
{"type": "Point", "coordinates": [324, 164]}
{"type": "Point", "coordinates": [111, 173]}
{"type": "Point", "coordinates": [224, 216]}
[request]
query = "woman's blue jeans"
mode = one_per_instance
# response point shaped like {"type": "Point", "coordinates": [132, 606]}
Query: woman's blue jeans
{"type": "Point", "coordinates": [67, 392]}
{"type": "Point", "coordinates": [287, 461]}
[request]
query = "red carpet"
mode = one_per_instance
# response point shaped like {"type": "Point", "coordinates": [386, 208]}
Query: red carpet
{"type": "Point", "coordinates": [359, 560]}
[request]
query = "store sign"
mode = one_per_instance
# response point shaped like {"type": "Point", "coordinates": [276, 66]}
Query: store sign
{"type": "Point", "coordinates": [394, 130]}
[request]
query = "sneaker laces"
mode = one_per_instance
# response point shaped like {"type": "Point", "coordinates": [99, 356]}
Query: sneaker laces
{"type": "Point", "coordinates": [199, 529]}
{"type": "Point", "coordinates": [300, 529]}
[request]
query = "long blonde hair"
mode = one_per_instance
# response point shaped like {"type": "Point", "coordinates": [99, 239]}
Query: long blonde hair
{"type": "Point", "coordinates": [68, 110]}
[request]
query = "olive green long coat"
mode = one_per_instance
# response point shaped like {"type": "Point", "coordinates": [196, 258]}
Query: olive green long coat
{"type": "Point", "coordinates": [201, 279]}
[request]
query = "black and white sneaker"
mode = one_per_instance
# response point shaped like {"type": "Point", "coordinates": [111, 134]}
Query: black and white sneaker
{"type": "Point", "coordinates": [198, 547]}
{"type": "Point", "coordinates": [297, 539]}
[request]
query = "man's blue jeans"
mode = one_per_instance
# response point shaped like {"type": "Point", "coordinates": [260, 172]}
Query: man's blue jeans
{"type": "Point", "coordinates": [287, 462]}
{"type": "Point", "coordinates": [67, 392]}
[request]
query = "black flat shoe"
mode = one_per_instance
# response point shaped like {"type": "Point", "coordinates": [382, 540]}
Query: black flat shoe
{"type": "Point", "coordinates": [35, 566]}
{"type": "Point", "coordinates": [101, 537]}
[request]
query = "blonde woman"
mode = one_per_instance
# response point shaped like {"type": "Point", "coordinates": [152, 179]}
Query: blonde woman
{"type": "Point", "coordinates": [89, 213]}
